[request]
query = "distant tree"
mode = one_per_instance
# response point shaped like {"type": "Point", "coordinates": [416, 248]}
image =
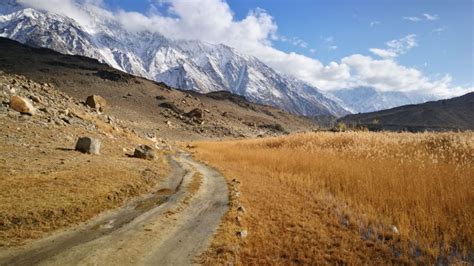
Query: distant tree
{"type": "Point", "coordinates": [341, 127]}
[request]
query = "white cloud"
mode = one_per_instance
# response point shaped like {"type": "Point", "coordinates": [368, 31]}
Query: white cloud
{"type": "Point", "coordinates": [329, 43]}
{"type": "Point", "coordinates": [423, 17]}
{"type": "Point", "coordinates": [430, 17]}
{"type": "Point", "coordinates": [440, 30]}
{"type": "Point", "coordinates": [374, 23]}
{"type": "Point", "coordinates": [388, 75]}
{"type": "Point", "coordinates": [213, 21]}
{"type": "Point", "coordinates": [294, 41]}
{"type": "Point", "coordinates": [414, 19]}
{"type": "Point", "coordinates": [384, 53]}
{"type": "Point", "coordinates": [396, 47]}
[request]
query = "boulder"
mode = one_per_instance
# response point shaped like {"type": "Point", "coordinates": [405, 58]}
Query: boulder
{"type": "Point", "coordinates": [96, 102]}
{"type": "Point", "coordinates": [22, 105]}
{"type": "Point", "coordinates": [88, 145]}
{"type": "Point", "coordinates": [144, 152]}
{"type": "Point", "coordinates": [195, 113]}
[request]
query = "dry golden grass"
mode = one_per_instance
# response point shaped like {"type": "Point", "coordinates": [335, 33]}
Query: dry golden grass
{"type": "Point", "coordinates": [334, 197]}
{"type": "Point", "coordinates": [45, 185]}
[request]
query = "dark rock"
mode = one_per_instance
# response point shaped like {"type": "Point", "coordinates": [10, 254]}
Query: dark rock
{"type": "Point", "coordinates": [195, 113]}
{"type": "Point", "coordinates": [170, 106]}
{"type": "Point", "coordinates": [88, 145]}
{"type": "Point", "coordinates": [144, 152]}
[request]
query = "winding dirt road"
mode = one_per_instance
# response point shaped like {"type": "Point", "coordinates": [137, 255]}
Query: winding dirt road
{"type": "Point", "coordinates": [147, 231]}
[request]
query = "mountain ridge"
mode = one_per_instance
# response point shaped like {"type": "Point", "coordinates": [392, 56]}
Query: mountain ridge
{"type": "Point", "coordinates": [190, 65]}
{"type": "Point", "coordinates": [449, 114]}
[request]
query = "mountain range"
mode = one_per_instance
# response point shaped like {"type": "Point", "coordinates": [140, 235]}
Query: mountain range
{"type": "Point", "coordinates": [368, 99]}
{"type": "Point", "coordinates": [451, 114]}
{"type": "Point", "coordinates": [187, 64]}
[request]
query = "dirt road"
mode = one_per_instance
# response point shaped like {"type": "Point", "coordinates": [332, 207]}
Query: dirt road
{"type": "Point", "coordinates": [147, 231]}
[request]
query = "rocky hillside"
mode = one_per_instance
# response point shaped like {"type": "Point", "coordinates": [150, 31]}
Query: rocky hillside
{"type": "Point", "coordinates": [150, 108]}
{"type": "Point", "coordinates": [451, 114]}
{"type": "Point", "coordinates": [39, 166]}
{"type": "Point", "coordinates": [189, 65]}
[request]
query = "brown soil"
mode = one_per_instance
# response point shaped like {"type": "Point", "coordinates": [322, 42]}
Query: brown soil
{"type": "Point", "coordinates": [153, 108]}
{"type": "Point", "coordinates": [47, 185]}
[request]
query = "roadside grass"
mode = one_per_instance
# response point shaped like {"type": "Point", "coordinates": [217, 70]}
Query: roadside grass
{"type": "Point", "coordinates": [352, 197]}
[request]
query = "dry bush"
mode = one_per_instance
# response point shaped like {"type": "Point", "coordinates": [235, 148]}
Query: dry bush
{"type": "Point", "coordinates": [301, 187]}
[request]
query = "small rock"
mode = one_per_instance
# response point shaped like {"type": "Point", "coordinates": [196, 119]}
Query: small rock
{"type": "Point", "coordinates": [195, 113]}
{"type": "Point", "coordinates": [242, 234]}
{"type": "Point", "coordinates": [241, 209]}
{"type": "Point", "coordinates": [395, 230]}
{"type": "Point", "coordinates": [96, 102]}
{"type": "Point", "coordinates": [35, 99]}
{"type": "Point", "coordinates": [144, 152]}
{"type": "Point", "coordinates": [88, 145]}
{"type": "Point", "coordinates": [22, 105]}
{"type": "Point", "coordinates": [238, 220]}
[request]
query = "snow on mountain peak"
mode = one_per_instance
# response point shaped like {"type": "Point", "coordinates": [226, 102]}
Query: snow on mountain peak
{"type": "Point", "coordinates": [184, 64]}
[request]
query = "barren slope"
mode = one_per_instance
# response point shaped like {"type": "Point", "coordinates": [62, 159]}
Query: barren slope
{"type": "Point", "coordinates": [154, 108]}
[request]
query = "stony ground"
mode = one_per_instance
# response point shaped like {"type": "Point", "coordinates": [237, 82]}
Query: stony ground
{"type": "Point", "coordinates": [153, 108]}
{"type": "Point", "coordinates": [45, 183]}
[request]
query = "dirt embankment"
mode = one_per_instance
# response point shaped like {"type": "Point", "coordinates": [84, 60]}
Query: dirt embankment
{"type": "Point", "coordinates": [46, 185]}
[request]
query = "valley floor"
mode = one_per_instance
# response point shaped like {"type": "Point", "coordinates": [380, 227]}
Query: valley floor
{"type": "Point", "coordinates": [348, 198]}
{"type": "Point", "coordinates": [312, 198]}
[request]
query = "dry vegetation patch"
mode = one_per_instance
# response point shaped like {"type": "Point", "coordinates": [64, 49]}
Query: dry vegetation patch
{"type": "Point", "coordinates": [45, 185]}
{"type": "Point", "coordinates": [353, 197]}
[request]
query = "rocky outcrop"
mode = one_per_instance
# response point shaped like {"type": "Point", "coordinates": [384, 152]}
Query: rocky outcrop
{"type": "Point", "coordinates": [144, 152]}
{"type": "Point", "coordinates": [195, 113]}
{"type": "Point", "coordinates": [96, 102]}
{"type": "Point", "coordinates": [22, 105]}
{"type": "Point", "coordinates": [88, 145]}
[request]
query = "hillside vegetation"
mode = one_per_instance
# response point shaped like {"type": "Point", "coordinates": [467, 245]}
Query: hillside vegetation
{"type": "Point", "coordinates": [352, 197]}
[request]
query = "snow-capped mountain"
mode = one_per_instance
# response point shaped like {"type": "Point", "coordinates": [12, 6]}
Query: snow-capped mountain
{"type": "Point", "coordinates": [190, 65]}
{"type": "Point", "coordinates": [367, 99]}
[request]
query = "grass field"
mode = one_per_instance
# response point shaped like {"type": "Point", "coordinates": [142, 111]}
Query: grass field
{"type": "Point", "coordinates": [351, 197]}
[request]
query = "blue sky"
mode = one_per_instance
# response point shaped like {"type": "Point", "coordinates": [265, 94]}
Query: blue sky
{"type": "Point", "coordinates": [331, 30]}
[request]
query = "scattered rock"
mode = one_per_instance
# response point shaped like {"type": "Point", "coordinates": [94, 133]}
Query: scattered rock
{"type": "Point", "coordinates": [195, 113]}
{"type": "Point", "coordinates": [241, 209]}
{"type": "Point", "coordinates": [96, 102]}
{"type": "Point", "coordinates": [238, 220]}
{"type": "Point", "coordinates": [144, 152]}
{"type": "Point", "coordinates": [22, 105]}
{"type": "Point", "coordinates": [170, 106]}
{"type": "Point", "coordinates": [88, 145]}
{"type": "Point", "coordinates": [242, 234]}
{"type": "Point", "coordinates": [395, 230]}
{"type": "Point", "coordinates": [35, 99]}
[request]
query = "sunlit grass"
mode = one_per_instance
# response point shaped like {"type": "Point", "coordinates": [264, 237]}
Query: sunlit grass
{"type": "Point", "coordinates": [422, 184]}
